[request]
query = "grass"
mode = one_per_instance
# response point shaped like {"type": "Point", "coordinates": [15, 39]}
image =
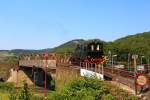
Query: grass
{"type": "Point", "coordinates": [6, 54]}
{"type": "Point", "coordinates": [4, 96]}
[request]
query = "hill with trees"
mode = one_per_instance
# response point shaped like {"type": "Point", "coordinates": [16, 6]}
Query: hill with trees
{"type": "Point", "coordinates": [133, 44]}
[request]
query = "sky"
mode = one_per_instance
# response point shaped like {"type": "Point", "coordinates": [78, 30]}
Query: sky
{"type": "Point", "coordinates": [39, 24]}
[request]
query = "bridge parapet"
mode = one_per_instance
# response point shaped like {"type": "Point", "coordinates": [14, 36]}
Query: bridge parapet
{"type": "Point", "coordinates": [37, 63]}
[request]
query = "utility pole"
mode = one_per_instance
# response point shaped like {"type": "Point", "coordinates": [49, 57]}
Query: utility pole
{"type": "Point", "coordinates": [148, 64]}
{"type": "Point", "coordinates": [128, 61]}
{"type": "Point", "coordinates": [112, 64]}
{"type": "Point", "coordinates": [17, 71]}
{"type": "Point", "coordinates": [134, 57]}
{"type": "Point", "coordinates": [142, 59]}
{"type": "Point", "coordinates": [103, 70]}
{"type": "Point", "coordinates": [86, 64]}
{"type": "Point", "coordinates": [109, 55]}
{"type": "Point", "coordinates": [45, 82]}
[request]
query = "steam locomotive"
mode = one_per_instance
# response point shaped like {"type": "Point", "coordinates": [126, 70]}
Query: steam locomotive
{"type": "Point", "coordinates": [89, 51]}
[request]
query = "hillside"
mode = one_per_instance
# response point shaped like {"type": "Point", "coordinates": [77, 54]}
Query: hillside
{"type": "Point", "coordinates": [133, 44]}
{"type": "Point", "coordinates": [68, 47]}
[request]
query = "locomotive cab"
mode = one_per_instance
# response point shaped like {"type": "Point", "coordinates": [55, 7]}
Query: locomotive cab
{"type": "Point", "coordinates": [95, 50]}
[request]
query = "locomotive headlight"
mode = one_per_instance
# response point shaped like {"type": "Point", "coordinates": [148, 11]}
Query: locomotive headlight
{"type": "Point", "coordinates": [92, 47]}
{"type": "Point", "coordinates": [97, 48]}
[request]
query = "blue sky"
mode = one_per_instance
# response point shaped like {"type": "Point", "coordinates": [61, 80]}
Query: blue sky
{"type": "Point", "coordinates": [38, 24]}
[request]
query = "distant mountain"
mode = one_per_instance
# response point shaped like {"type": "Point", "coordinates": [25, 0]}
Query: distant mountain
{"type": "Point", "coordinates": [66, 47]}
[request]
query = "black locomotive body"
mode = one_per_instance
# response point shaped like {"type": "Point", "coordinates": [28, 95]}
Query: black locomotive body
{"type": "Point", "coordinates": [89, 50]}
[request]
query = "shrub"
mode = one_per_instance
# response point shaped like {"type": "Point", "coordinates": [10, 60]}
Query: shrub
{"type": "Point", "coordinates": [52, 82]}
{"type": "Point", "coordinates": [37, 98]}
{"type": "Point", "coordinates": [108, 97]}
{"type": "Point", "coordinates": [6, 86]}
{"type": "Point", "coordinates": [85, 89]}
{"type": "Point", "coordinates": [24, 93]}
{"type": "Point", "coordinates": [120, 94]}
{"type": "Point", "coordinates": [13, 96]}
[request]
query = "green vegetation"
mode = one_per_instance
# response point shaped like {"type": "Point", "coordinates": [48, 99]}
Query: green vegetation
{"type": "Point", "coordinates": [78, 89]}
{"type": "Point", "coordinates": [4, 96]}
{"type": "Point", "coordinates": [135, 44]}
{"type": "Point", "coordinates": [90, 89]}
{"type": "Point", "coordinates": [6, 65]}
{"type": "Point", "coordinates": [24, 94]}
{"type": "Point", "coordinates": [5, 54]}
{"type": "Point", "coordinates": [119, 93]}
{"type": "Point", "coordinates": [6, 87]}
{"type": "Point", "coordinates": [68, 47]}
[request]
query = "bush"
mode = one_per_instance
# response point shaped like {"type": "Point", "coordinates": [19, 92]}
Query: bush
{"type": "Point", "coordinates": [91, 89]}
{"type": "Point", "coordinates": [85, 89]}
{"type": "Point", "coordinates": [108, 97]}
{"type": "Point", "coordinates": [24, 94]}
{"type": "Point", "coordinates": [13, 96]}
{"type": "Point", "coordinates": [52, 82]}
{"type": "Point", "coordinates": [6, 86]}
{"type": "Point", "coordinates": [120, 94]}
{"type": "Point", "coordinates": [37, 98]}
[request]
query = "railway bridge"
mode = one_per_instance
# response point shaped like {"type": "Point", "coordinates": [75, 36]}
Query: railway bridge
{"type": "Point", "coordinates": [35, 69]}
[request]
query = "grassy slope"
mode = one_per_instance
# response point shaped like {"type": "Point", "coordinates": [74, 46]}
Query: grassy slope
{"type": "Point", "coordinates": [4, 96]}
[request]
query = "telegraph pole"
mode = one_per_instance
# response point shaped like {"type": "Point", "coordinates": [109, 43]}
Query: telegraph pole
{"type": "Point", "coordinates": [112, 64]}
{"type": "Point", "coordinates": [142, 59]}
{"type": "Point", "coordinates": [103, 70]}
{"type": "Point", "coordinates": [46, 64]}
{"type": "Point", "coordinates": [128, 61]}
{"type": "Point", "coordinates": [134, 57]}
{"type": "Point", "coordinates": [17, 71]}
{"type": "Point", "coordinates": [148, 64]}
